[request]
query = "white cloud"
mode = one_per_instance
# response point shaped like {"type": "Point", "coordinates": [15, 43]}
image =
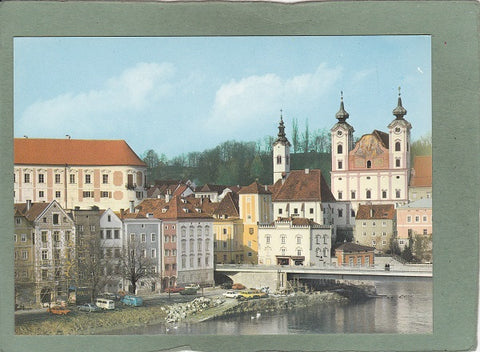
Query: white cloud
{"type": "Point", "coordinates": [361, 75]}
{"type": "Point", "coordinates": [255, 99]}
{"type": "Point", "coordinates": [134, 90]}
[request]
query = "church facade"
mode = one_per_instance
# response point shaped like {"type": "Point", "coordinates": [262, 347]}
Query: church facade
{"type": "Point", "coordinates": [376, 169]}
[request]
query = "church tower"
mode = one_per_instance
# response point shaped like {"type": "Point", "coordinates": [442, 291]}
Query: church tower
{"type": "Point", "coordinates": [281, 154]}
{"type": "Point", "coordinates": [342, 139]}
{"type": "Point", "coordinates": [399, 138]}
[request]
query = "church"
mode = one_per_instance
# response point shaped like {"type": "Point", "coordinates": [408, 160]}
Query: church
{"type": "Point", "coordinates": [375, 169]}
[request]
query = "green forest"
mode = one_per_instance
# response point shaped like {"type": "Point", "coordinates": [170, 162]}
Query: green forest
{"type": "Point", "coordinates": [241, 163]}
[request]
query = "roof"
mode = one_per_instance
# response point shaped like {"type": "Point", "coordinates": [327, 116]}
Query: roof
{"type": "Point", "coordinates": [35, 210]}
{"type": "Point", "coordinates": [354, 247]}
{"type": "Point", "coordinates": [296, 221]}
{"type": "Point", "coordinates": [421, 203]}
{"type": "Point", "coordinates": [228, 206]}
{"type": "Point", "coordinates": [422, 171]}
{"type": "Point", "coordinates": [382, 137]}
{"type": "Point", "coordinates": [44, 151]}
{"type": "Point", "coordinates": [176, 208]}
{"type": "Point", "coordinates": [303, 185]}
{"type": "Point", "coordinates": [254, 188]}
{"type": "Point", "coordinates": [208, 187]}
{"type": "Point", "coordinates": [375, 211]}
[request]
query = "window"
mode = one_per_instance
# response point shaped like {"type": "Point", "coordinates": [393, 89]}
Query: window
{"type": "Point", "coordinates": [153, 237]}
{"type": "Point", "coordinates": [339, 149]}
{"type": "Point", "coordinates": [384, 194]}
{"type": "Point", "coordinates": [44, 255]}
{"type": "Point", "coordinates": [352, 213]}
{"type": "Point", "coordinates": [283, 239]}
{"type": "Point", "coordinates": [249, 254]}
{"type": "Point", "coordinates": [299, 252]}
{"type": "Point", "coordinates": [374, 243]}
{"type": "Point", "coordinates": [325, 239]}
{"type": "Point", "coordinates": [318, 239]}
{"type": "Point", "coordinates": [44, 274]}
{"type": "Point", "coordinates": [267, 239]}
{"type": "Point", "coordinates": [87, 194]}
{"type": "Point", "coordinates": [23, 237]}
{"type": "Point", "coordinates": [424, 218]}
{"type": "Point", "coordinates": [67, 236]}
{"type": "Point", "coordinates": [374, 224]}
{"type": "Point", "coordinates": [311, 210]}
{"type": "Point", "coordinates": [56, 236]}
{"type": "Point", "coordinates": [369, 164]}
{"type": "Point", "coordinates": [340, 195]}
{"type": "Point", "coordinates": [55, 219]}
{"type": "Point", "coordinates": [26, 178]}
{"type": "Point", "coordinates": [24, 255]}
{"type": "Point", "coordinates": [280, 211]}
{"type": "Point", "coordinates": [364, 233]}
{"type": "Point", "coordinates": [199, 245]}
{"type": "Point", "coordinates": [359, 261]}
{"type": "Point", "coordinates": [397, 162]}
{"type": "Point", "coordinates": [87, 178]}
{"type": "Point", "coordinates": [58, 194]}
{"type": "Point", "coordinates": [384, 223]}
{"type": "Point", "coordinates": [295, 210]}
{"type": "Point", "coordinates": [108, 235]}
{"type": "Point", "coordinates": [41, 178]}
{"type": "Point", "coordinates": [283, 250]}
{"type": "Point", "coordinates": [104, 194]}
{"type": "Point", "coordinates": [424, 231]}
{"type": "Point", "coordinates": [132, 237]}
{"type": "Point", "coordinates": [368, 194]}
{"type": "Point", "coordinates": [116, 234]}
{"type": "Point", "coordinates": [340, 213]}
{"type": "Point", "coordinates": [417, 218]}
{"type": "Point", "coordinates": [57, 178]}
{"type": "Point", "coordinates": [224, 231]}
{"type": "Point", "coordinates": [352, 195]}
{"type": "Point", "coordinates": [279, 159]}
{"type": "Point", "coordinates": [384, 233]}
{"type": "Point", "coordinates": [72, 178]}
{"type": "Point", "coordinates": [41, 194]}
{"type": "Point", "coordinates": [340, 164]}
{"type": "Point", "coordinates": [299, 240]}
{"type": "Point", "coordinates": [364, 223]}
{"type": "Point", "coordinates": [397, 193]}
{"type": "Point", "coordinates": [104, 178]}
{"type": "Point", "coordinates": [153, 253]}
{"type": "Point", "coordinates": [397, 146]}
{"type": "Point", "coordinates": [144, 237]}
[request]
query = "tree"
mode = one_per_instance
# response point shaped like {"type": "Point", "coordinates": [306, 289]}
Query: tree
{"type": "Point", "coordinates": [134, 265]}
{"type": "Point", "coordinates": [295, 137]}
{"type": "Point", "coordinates": [422, 146]}
{"type": "Point", "coordinates": [305, 145]}
{"type": "Point", "coordinates": [256, 168]}
{"type": "Point", "coordinates": [407, 254]}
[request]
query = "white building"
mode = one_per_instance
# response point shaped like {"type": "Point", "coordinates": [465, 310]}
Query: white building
{"type": "Point", "coordinates": [377, 168]}
{"type": "Point", "coordinates": [296, 241]}
{"type": "Point", "coordinates": [112, 239]}
{"type": "Point", "coordinates": [78, 173]}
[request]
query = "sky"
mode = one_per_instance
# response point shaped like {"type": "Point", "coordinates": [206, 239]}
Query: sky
{"type": "Point", "coordinates": [181, 94]}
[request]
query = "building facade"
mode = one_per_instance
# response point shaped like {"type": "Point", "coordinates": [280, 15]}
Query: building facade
{"type": "Point", "coordinates": [294, 241]}
{"type": "Point", "coordinates": [421, 180]}
{"type": "Point", "coordinates": [78, 173]}
{"type": "Point", "coordinates": [352, 254]}
{"type": "Point", "coordinates": [375, 226]}
{"type": "Point", "coordinates": [377, 168]}
{"type": "Point", "coordinates": [414, 219]}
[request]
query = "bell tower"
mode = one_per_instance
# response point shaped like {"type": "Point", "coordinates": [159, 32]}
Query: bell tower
{"type": "Point", "coordinates": [399, 138]}
{"type": "Point", "coordinates": [281, 153]}
{"type": "Point", "coordinates": [342, 139]}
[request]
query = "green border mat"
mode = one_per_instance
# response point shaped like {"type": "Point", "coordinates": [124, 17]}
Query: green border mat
{"type": "Point", "coordinates": [454, 27]}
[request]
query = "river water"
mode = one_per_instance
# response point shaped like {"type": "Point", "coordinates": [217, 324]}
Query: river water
{"type": "Point", "coordinates": [405, 307]}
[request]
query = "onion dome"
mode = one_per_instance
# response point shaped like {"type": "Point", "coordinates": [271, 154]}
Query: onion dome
{"type": "Point", "coordinates": [399, 111]}
{"type": "Point", "coordinates": [341, 115]}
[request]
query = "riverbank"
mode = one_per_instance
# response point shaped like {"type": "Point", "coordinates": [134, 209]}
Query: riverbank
{"type": "Point", "coordinates": [198, 310]}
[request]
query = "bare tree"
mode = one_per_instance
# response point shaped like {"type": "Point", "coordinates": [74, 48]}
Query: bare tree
{"type": "Point", "coordinates": [135, 266]}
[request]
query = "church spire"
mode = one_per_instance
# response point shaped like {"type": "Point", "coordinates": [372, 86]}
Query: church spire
{"type": "Point", "coordinates": [281, 131]}
{"type": "Point", "coordinates": [341, 115]}
{"type": "Point", "coordinates": [399, 111]}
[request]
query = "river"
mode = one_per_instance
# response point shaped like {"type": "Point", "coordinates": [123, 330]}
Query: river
{"type": "Point", "coordinates": [405, 307]}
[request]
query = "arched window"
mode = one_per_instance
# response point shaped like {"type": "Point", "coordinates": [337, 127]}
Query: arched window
{"type": "Point", "coordinates": [369, 164]}
{"type": "Point", "coordinates": [191, 231]}
{"type": "Point", "coordinates": [279, 159]}
{"type": "Point", "coordinates": [339, 149]}
{"type": "Point", "coordinates": [184, 231]}
{"type": "Point", "coordinates": [397, 162]}
{"type": "Point", "coordinates": [199, 231]}
{"type": "Point", "coordinates": [369, 194]}
{"type": "Point", "coordinates": [397, 146]}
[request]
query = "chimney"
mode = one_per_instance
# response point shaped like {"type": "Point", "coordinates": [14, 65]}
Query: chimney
{"type": "Point", "coordinates": [307, 171]}
{"type": "Point", "coordinates": [29, 204]}
{"type": "Point", "coordinates": [132, 207]}
{"type": "Point", "coordinates": [266, 188]}
{"type": "Point", "coordinates": [167, 197]}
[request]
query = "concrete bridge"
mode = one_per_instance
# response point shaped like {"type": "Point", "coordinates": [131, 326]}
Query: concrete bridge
{"type": "Point", "coordinates": [277, 276]}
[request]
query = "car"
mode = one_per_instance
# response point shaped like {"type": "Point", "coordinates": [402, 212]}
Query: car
{"type": "Point", "coordinates": [251, 294]}
{"type": "Point", "coordinates": [174, 289]}
{"type": "Point", "coordinates": [238, 287]}
{"type": "Point", "coordinates": [195, 286]}
{"type": "Point", "coordinates": [112, 296]}
{"type": "Point", "coordinates": [133, 301]}
{"type": "Point", "coordinates": [230, 294]}
{"type": "Point", "coordinates": [88, 307]}
{"type": "Point", "coordinates": [58, 310]}
{"type": "Point", "coordinates": [189, 291]}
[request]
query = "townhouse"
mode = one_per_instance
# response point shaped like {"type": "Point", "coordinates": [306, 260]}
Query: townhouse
{"type": "Point", "coordinates": [375, 226]}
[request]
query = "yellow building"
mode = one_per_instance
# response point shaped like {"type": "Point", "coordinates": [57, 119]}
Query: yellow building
{"type": "Point", "coordinates": [255, 204]}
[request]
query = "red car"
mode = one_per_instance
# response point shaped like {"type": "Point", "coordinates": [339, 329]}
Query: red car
{"type": "Point", "coordinates": [238, 287]}
{"type": "Point", "coordinates": [58, 310]}
{"type": "Point", "coordinates": [174, 289]}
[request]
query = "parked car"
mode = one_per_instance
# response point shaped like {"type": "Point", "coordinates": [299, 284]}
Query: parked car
{"type": "Point", "coordinates": [189, 291]}
{"type": "Point", "coordinates": [112, 296]}
{"type": "Point", "coordinates": [104, 303]}
{"type": "Point", "coordinates": [131, 300]}
{"type": "Point", "coordinates": [251, 294]}
{"type": "Point", "coordinates": [88, 307]}
{"type": "Point", "coordinates": [238, 287]}
{"type": "Point", "coordinates": [58, 310]}
{"type": "Point", "coordinates": [195, 286]}
{"type": "Point", "coordinates": [230, 294]}
{"type": "Point", "coordinates": [174, 289]}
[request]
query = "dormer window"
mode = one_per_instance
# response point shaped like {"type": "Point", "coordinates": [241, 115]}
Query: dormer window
{"type": "Point", "coordinates": [198, 210]}
{"type": "Point", "coordinates": [185, 210]}
{"type": "Point", "coordinates": [164, 210]}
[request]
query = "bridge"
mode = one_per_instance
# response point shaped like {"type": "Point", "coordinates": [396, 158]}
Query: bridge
{"type": "Point", "coordinates": [277, 275]}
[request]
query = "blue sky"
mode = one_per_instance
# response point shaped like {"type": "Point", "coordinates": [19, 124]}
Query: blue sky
{"type": "Point", "coordinates": [177, 95]}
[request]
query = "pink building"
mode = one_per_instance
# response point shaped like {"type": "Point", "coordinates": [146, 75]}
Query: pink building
{"type": "Point", "coordinates": [414, 218]}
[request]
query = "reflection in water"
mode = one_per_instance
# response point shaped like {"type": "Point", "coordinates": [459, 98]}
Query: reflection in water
{"type": "Point", "coordinates": [406, 307]}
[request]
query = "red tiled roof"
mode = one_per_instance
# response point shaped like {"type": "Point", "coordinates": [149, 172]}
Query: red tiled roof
{"type": "Point", "coordinates": [228, 206]}
{"type": "Point", "coordinates": [422, 171]}
{"type": "Point", "coordinates": [375, 211]}
{"type": "Point", "coordinates": [174, 209]}
{"type": "Point", "coordinates": [40, 151]}
{"type": "Point", "coordinates": [382, 136]}
{"type": "Point", "coordinates": [35, 210]}
{"type": "Point", "coordinates": [353, 247]}
{"type": "Point", "coordinates": [303, 186]}
{"type": "Point", "coordinates": [212, 188]}
{"type": "Point", "coordinates": [254, 188]}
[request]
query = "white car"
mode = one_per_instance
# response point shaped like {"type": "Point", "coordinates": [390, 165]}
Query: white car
{"type": "Point", "coordinates": [195, 286]}
{"type": "Point", "coordinates": [231, 294]}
